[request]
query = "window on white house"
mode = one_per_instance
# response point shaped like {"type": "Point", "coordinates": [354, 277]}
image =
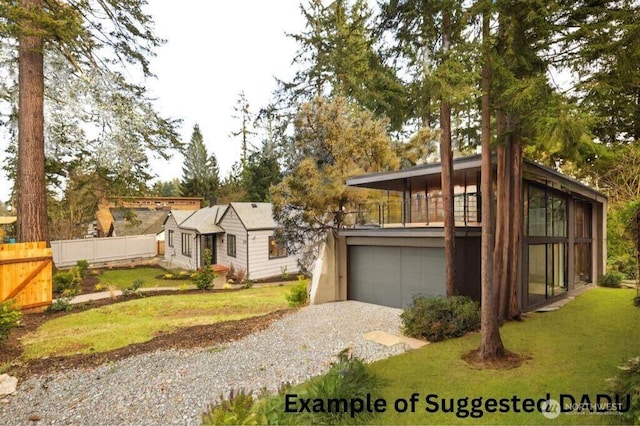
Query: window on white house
{"type": "Point", "coordinates": [276, 250]}
{"type": "Point", "coordinates": [231, 245]}
{"type": "Point", "coordinates": [170, 238]}
{"type": "Point", "coordinates": [186, 244]}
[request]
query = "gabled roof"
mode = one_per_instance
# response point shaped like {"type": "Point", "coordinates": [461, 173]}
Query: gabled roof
{"type": "Point", "coordinates": [254, 216]}
{"type": "Point", "coordinates": [180, 215]}
{"type": "Point", "coordinates": [147, 222]}
{"type": "Point", "coordinates": [204, 221]}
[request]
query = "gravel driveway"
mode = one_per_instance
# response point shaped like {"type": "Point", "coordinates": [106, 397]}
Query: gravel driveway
{"type": "Point", "coordinates": [176, 386]}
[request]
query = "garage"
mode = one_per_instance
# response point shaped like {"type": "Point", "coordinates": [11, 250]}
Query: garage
{"type": "Point", "coordinates": [391, 276]}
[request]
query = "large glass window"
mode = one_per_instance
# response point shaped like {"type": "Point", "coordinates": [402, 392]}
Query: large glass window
{"type": "Point", "coordinates": [546, 213]}
{"type": "Point", "coordinates": [547, 271]}
{"type": "Point", "coordinates": [582, 248]}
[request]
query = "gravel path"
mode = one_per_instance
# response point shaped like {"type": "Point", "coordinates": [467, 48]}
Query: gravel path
{"type": "Point", "coordinates": [176, 386]}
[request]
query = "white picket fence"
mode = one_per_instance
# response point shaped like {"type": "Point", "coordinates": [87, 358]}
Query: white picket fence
{"type": "Point", "coordinates": [96, 250]}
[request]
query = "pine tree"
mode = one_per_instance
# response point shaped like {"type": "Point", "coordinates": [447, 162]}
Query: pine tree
{"type": "Point", "coordinates": [90, 35]}
{"type": "Point", "coordinates": [200, 174]}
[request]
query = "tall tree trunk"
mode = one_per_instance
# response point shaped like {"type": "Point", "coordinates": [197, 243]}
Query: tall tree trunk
{"type": "Point", "coordinates": [500, 250]}
{"type": "Point", "coordinates": [513, 310]}
{"type": "Point", "coordinates": [491, 346]}
{"type": "Point", "coordinates": [30, 183]}
{"type": "Point", "coordinates": [446, 156]}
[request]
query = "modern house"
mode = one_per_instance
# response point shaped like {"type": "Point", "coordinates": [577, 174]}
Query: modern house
{"type": "Point", "coordinates": [238, 234]}
{"type": "Point", "coordinates": [395, 248]}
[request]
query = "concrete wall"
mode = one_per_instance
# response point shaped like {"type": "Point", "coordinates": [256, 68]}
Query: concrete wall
{"type": "Point", "coordinates": [96, 250]}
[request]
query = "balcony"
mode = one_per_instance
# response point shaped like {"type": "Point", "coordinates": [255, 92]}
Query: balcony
{"type": "Point", "coordinates": [415, 212]}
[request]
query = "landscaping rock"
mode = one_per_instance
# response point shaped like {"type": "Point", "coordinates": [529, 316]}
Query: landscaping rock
{"type": "Point", "coordinates": [7, 384]}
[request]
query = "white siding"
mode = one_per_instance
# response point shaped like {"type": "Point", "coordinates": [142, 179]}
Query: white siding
{"type": "Point", "coordinates": [259, 263]}
{"type": "Point", "coordinates": [173, 255]}
{"type": "Point", "coordinates": [233, 226]}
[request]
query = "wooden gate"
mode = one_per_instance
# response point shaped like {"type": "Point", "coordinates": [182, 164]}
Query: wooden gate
{"type": "Point", "coordinates": [25, 274]}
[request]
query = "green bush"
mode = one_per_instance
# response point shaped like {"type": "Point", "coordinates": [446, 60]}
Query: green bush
{"type": "Point", "coordinates": [134, 288]}
{"type": "Point", "coordinates": [627, 382]}
{"type": "Point", "coordinates": [62, 304]}
{"type": "Point", "coordinates": [297, 295]}
{"type": "Point", "coordinates": [440, 318]}
{"type": "Point", "coordinates": [237, 409]}
{"type": "Point", "coordinates": [636, 301]}
{"type": "Point", "coordinates": [10, 316]}
{"type": "Point", "coordinates": [203, 278]}
{"type": "Point", "coordinates": [348, 379]}
{"type": "Point", "coordinates": [67, 282]}
{"type": "Point", "coordinates": [83, 268]}
{"type": "Point", "coordinates": [611, 279]}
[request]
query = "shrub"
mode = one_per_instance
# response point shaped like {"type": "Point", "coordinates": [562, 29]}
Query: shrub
{"type": "Point", "coordinates": [83, 268]}
{"type": "Point", "coordinates": [611, 279]}
{"type": "Point", "coordinates": [134, 288]}
{"type": "Point", "coordinates": [347, 379]}
{"type": "Point", "coordinates": [297, 295]}
{"type": "Point", "coordinates": [627, 382]}
{"type": "Point", "coordinates": [10, 316]}
{"type": "Point", "coordinates": [231, 273]}
{"type": "Point", "coordinates": [66, 282]}
{"type": "Point", "coordinates": [283, 272]}
{"type": "Point", "coordinates": [636, 301]}
{"type": "Point", "coordinates": [62, 304]}
{"type": "Point", "coordinates": [440, 318]}
{"type": "Point", "coordinates": [237, 409]}
{"type": "Point", "coordinates": [203, 278]}
{"type": "Point", "coordinates": [241, 274]}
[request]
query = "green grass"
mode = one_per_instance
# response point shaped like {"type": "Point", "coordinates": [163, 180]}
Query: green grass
{"type": "Point", "coordinates": [122, 324]}
{"type": "Point", "coordinates": [123, 278]}
{"type": "Point", "coordinates": [572, 351]}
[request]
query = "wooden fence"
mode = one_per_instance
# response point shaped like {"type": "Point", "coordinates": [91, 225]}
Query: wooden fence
{"type": "Point", "coordinates": [25, 274]}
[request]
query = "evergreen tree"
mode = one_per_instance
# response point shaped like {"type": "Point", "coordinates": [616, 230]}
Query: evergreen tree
{"type": "Point", "coordinates": [334, 140]}
{"type": "Point", "coordinates": [243, 113]}
{"type": "Point", "coordinates": [261, 173]}
{"type": "Point", "coordinates": [338, 58]}
{"type": "Point", "coordinates": [90, 35]}
{"type": "Point", "coordinates": [199, 171]}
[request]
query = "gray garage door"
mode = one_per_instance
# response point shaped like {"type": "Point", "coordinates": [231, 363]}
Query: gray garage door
{"type": "Point", "coordinates": [390, 276]}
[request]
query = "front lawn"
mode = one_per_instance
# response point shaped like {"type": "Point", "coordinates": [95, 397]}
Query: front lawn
{"type": "Point", "coordinates": [122, 324]}
{"type": "Point", "coordinates": [120, 279]}
{"type": "Point", "coordinates": [572, 351]}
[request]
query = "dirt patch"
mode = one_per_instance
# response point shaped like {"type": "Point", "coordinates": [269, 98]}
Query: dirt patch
{"type": "Point", "coordinates": [509, 361]}
{"type": "Point", "coordinates": [199, 336]}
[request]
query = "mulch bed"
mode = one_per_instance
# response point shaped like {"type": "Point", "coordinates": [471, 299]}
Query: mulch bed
{"type": "Point", "coordinates": [187, 337]}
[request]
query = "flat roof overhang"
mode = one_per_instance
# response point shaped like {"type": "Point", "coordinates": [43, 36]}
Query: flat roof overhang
{"type": "Point", "coordinates": [418, 175]}
{"type": "Point", "coordinates": [429, 174]}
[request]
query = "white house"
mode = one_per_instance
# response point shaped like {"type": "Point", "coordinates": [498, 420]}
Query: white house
{"type": "Point", "coordinates": [238, 234]}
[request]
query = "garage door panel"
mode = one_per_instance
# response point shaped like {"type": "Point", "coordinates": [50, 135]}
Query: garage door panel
{"type": "Point", "coordinates": [390, 276]}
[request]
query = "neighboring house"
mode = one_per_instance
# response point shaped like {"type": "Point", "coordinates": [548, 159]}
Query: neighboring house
{"type": "Point", "coordinates": [122, 216]}
{"type": "Point", "coordinates": [238, 234]}
{"type": "Point", "coordinates": [395, 249]}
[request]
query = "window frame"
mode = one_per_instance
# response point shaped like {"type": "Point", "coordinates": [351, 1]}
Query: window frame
{"type": "Point", "coordinates": [231, 245]}
{"type": "Point", "coordinates": [186, 244]}
{"type": "Point", "coordinates": [170, 237]}
{"type": "Point", "coordinates": [280, 249]}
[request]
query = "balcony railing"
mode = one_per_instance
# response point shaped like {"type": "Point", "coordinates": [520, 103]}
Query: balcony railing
{"type": "Point", "coordinates": [415, 212]}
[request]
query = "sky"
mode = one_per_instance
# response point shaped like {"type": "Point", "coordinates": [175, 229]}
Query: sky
{"type": "Point", "coordinates": [214, 51]}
